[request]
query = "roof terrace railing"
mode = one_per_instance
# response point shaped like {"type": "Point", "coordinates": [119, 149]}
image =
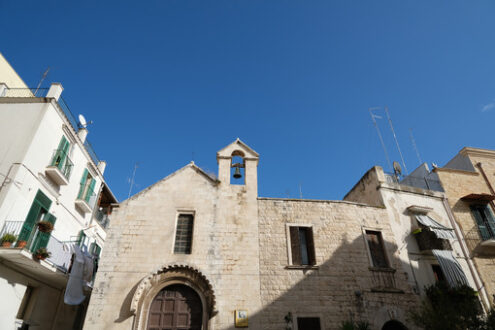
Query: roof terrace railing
{"type": "Point", "coordinates": [42, 92]}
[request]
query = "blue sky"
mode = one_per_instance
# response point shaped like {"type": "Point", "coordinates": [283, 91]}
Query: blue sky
{"type": "Point", "coordinates": [166, 81]}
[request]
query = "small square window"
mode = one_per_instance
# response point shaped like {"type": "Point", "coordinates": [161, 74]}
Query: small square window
{"type": "Point", "coordinates": [376, 249]}
{"type": "Point", "coordinates": [183, 234]}
{"type": "Point", "coordinates": [302, 245]}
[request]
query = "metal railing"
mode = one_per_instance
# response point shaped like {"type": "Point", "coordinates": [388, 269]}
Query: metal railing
{"type": "Point", "coordinates": [383, 278]}
{"type": "Point", "coordinates": [87, 194]}
{"type": "Point", "coordinates": [25, 92]}
{"type": "Point", "coordinates": [102, 217]}
{"type": "Point", "coordinates": [42, 92]}
{"type": "Point", "coordinates": [474, 237]}
{"type": "Point", "coordinates": [11, 227]}
{"type": "Point", "coordinates": [61, 254]}
{"type": "Point", "coordinates": [417, 182]}
{"type": "Point", "coordinates": [62, 161]}
{"type": "Point", "coordinates": [91, 152]}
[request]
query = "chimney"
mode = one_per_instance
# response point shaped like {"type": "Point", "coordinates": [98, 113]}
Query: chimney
{"type": "Point", "coordinates": [55, 91]}
{"type": "Point", "coordinates": [82, 133]}
{"type": "Point", "coordinates": [101, 166]}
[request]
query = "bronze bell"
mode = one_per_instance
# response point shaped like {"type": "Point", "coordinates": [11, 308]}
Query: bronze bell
{"type": "Point", "coordinates": [237, 173]}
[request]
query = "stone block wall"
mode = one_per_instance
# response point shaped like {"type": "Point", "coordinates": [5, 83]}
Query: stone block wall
{"type": "Point", "coordinates": [342, 285]}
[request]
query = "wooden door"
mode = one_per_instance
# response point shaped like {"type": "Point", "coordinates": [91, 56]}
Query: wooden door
{"type": "Point", "coordinates": [175, 307]}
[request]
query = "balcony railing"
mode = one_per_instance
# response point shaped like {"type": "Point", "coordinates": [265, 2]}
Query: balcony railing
{"type": "Point", "coordinates": [383, 279]}
{"type": "Point", "coordinates": [62, 161]}
{"type": "Point", "coordinates": [102, 217]}
{"type": "Point", "coordinates": [60, 251]}
{"type": "Point", "coordinates": [42, 92]}
{"type": "Point", "coordinates": [480, 241]}
{"type": "Point", "coordinates": [25, 92]}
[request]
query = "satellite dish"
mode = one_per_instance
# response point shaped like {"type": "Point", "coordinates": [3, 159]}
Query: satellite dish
{"type": "Point", "coordinates": [82, 121]}
{"type": "Point", "coordinates": [397, 168]}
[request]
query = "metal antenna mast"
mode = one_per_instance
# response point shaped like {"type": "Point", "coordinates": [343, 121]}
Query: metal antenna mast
{"type": "Point", "coordinates": [380, 135]}
{"type": "Point", "coordinates": [395, 138]}
{"type": "Point", "coordinates": [41, 81]}
{"type": "Point", "coordinates": [132, 180]}
{"type": "Point", "coordinates": [414, 146]}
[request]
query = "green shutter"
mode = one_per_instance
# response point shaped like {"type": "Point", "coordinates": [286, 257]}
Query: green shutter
{"type": "Point", "coordinates": [40, 201]}
{"type": "Point", "coordinates": [43, 238]}
{"type": "Point", "coordinates": [95, 249]}
{"type": "Point", "coordinates": [80, 238]}
{"type": "Point", "coordinates": [90, 190]}
{"type": "Point", "coordinates": [61, 153]}
{"type": "Point", "coordinates": [83, 181]}
{"type": "Point", "coordinates": [485, 234]}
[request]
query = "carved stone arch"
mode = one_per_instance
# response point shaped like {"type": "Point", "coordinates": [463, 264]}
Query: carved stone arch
{"type": "Point", "coordinates": [165, 276]}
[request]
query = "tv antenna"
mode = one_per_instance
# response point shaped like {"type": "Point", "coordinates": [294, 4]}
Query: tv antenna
{"type": "Point", "coordinates": [395, 138]}
{"type": "Point", "coordinates": [414, 146]}
{"type": "Point", "coordinates": [132, 180]}
{"type": "Point", "coordinates": [45, 74]}
{"type": "Point", "coordinates": [373, 116]}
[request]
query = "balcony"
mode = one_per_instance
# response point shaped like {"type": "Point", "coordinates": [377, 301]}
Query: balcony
{"type": "Point", "coordinates": [481, 242]}
{"type": "Point", "coordinates": [60, 167]}
{"type": "Point", "coordinates": [383, 280]}
{"type": "Point", "coordinates": [86, 199]}
{"type": "Point", "coordinates": [427, 240]}
{"type": "Point", "coordinates": [101, 216]}
{"type": "Point", "coordinates": [53, 269]}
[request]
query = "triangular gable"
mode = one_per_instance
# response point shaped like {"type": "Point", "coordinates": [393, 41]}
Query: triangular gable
{"type": "Point", "coordinates": [190, 165]}
{"type": "Point", "coordinates": [237, 144]}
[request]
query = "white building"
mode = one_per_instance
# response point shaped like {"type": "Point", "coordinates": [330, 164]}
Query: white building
{"type": "Point", "coordinates": [48, 172]}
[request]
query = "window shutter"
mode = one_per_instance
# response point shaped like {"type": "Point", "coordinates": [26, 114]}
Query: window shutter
{"type": "Point", "coordinates": [28, 225]}
{"type": "Point", "coordinates": [485, 234]}
{"type": "Point", "coordinates": [80, 238]}
{"type": "Point", "coordinates": [39, 202]}
{"type": "Point", "coordinates": [491, 220]}
{"type": "Point", "coordinates": [83, 181]}
{"type": "Point", "coordinates": [294, 245]}
{"type": "Point", "coordinates": [90, 190]}
{"type": "Point", "coordinates": [311, 246]}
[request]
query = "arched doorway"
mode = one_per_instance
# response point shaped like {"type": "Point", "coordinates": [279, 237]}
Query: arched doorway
{"type": "Point", "coordinates": [394, 325]}
{"type": "Point", "coordinates": [176, 307]}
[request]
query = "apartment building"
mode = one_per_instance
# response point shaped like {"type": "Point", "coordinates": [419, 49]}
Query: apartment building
{"type": "Point", "coordinates": [53, 197]}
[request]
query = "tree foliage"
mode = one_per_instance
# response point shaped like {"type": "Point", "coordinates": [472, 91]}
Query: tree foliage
{"type": "Point", "coordinates": [451, 308]}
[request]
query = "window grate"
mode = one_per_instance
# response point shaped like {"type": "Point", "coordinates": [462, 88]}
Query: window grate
{"type": "Point", "coordinates": [183, 235]}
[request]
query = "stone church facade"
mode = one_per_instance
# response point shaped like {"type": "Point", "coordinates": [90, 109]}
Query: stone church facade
{"type": "Point", "coordinates": [197, 252]}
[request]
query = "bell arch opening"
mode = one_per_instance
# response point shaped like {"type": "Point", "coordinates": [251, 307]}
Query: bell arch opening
{"type": "Point", "coordinates": [237, 168]}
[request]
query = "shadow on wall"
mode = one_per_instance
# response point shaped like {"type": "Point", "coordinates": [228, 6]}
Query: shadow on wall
{"type": "Point", "coordinates": [342, 288]}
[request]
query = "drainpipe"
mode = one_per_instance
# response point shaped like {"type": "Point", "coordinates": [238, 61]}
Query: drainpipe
{"type": "Point", "coordinates": [474, 273]}
{"type": "Point", "coordinates": [480, 167]}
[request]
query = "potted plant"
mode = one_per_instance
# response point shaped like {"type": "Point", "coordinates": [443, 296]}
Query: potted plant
{"type": "Point", "coordinates": [7, 239]}
{"type": "Point", "coordinates": [45, 226]}
{"type": "Point", "coordinates": [21, 244]}
{"type": "Point", "coordinates": [41, 254]}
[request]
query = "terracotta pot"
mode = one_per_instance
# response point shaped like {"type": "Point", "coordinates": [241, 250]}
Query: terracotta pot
{"type": "Point", "coordinates": [21, 244]}
{"type": "Point", "coordinates": [6, 244]}
{"type": "Point", "coordinates": [39, 257]}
